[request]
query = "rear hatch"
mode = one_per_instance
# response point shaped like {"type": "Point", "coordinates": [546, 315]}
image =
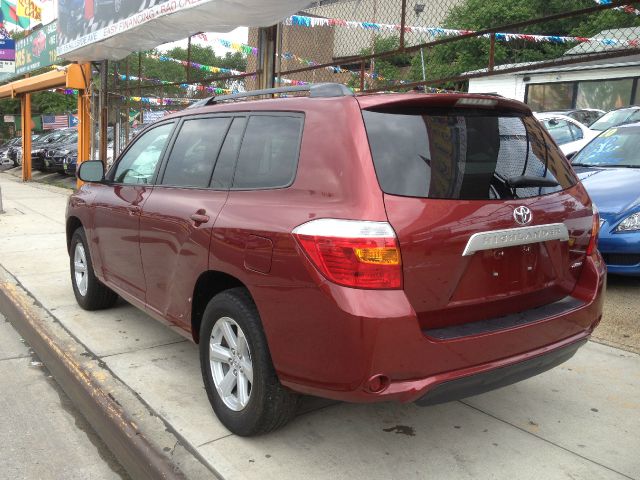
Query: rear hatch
{"type": "Point", "coordinates": [489, 215]}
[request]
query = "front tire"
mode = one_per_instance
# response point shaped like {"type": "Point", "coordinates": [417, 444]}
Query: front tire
{"type": "Point", "coordinates": [237, 370]}
{"type": "Point", "coordinates": [90, 293]}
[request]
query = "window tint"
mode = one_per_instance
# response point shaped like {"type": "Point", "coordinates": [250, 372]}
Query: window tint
{"type": "Point", "coordinates": [559, 130]}
{"type": "Point", "coordinates": [138, 165]}
{"type": "Point", "coordinates": [269, 153]}
{"type": "Point", "coordinates": [223, 173]}
{"type": "Point", "coordinates": [194, 152]}
{"type": "Point", "coordinates": [461, 154]}
{"type": "Point", "coordinates": [576, 133]}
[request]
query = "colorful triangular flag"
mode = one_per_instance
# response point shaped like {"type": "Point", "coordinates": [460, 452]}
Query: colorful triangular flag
{"type": "Point", "coordinates": [10, 14]}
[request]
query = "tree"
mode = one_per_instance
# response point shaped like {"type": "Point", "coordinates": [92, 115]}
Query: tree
{"type": "Point", "coordinates": [53, 102]}
{"type": "Point", "coordinates": [386, 69]}
{"type": "Point", "coordinates": [455, 58]}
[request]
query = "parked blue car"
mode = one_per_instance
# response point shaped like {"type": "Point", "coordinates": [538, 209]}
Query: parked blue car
{"type": "Point", "coordinates": [609, 167]}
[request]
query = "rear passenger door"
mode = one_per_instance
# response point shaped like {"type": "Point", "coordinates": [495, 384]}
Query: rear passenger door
{"type": "Point", "coordinates": [178, 217]}
{"type": "Point", "coordinates": [250, 227]}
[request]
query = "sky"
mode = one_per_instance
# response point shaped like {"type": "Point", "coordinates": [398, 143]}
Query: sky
{"type": "Point", "coordinates": [239, 35]}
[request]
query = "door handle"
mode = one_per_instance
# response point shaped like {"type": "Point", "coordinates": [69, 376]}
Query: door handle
{"type": "Point", "coordinates": [134, 209]}
{"type": "Point", "coordinates": [199, 218]}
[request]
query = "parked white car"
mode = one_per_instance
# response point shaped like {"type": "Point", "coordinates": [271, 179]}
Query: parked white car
{"type": "Point", "coordinates": [568, 133]}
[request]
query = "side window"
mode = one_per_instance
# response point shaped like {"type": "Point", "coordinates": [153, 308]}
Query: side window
{"type": "Point", "coordinates": [559, 130]}
{"type": "Point", "coordinates": [576, 132]}
{"type": "Point", "coordinates": [138, 165]}
{"type": "Point", "coordinates": [269, 154]}
{"type": "Point", "coordinates": [194, 152]}
{"type": "Point", "coordinates": [223, 173]}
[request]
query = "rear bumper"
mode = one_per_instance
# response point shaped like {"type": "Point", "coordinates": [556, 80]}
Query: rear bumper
{"type": "Point", "coordinates": [343, 347]}
{"type": "Point", "coordinates": [498, 377]}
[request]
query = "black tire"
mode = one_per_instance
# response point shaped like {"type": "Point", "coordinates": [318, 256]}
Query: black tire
{"type": "Point", "coordinates": [270, 405]}
{"type": "Point", "coordinates": [97, 295]}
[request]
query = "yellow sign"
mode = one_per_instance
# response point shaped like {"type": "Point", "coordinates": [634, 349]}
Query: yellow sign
{"type": "Point", "coordinates": [28, 8]}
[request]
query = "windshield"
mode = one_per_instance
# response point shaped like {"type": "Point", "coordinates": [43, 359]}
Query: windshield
{"type": "Point", "coordinates": [617, 147]}
{"type": "Point", "coordinates": [615, 118]}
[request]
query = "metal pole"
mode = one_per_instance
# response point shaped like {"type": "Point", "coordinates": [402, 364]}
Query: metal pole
{"type": "Point", "coordinates": [424, 76]}
{"type": "Point", "coordinates": [266, 56]}
{"type": "Point", "coordinates": [403, 19]}
{"type": "Point", "coordinates": [492, 51]}
{"type": "Point", "coordinates": [25, 103]}
{"type": "Point", "coordinates": [278, 53]}
{"type": "Point", "coordinates": [104, 65]}
{"type": "Point", "coordinates": [188, 67]}
{"type": "Point", "coordinates": [128, 109]}
{"type": "Point", "coordinates": [139, 89]}
{"type": "Point", "coordinates": [118, 116]}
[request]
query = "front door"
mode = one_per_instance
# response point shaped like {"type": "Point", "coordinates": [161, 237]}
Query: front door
{"type": "Point", "coordinates": [118, 207]}
{"type": "Point", "coordinates": [178, 218]}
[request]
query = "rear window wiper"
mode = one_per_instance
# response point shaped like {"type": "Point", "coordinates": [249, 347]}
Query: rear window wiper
{"type": "Point", "coordinates": [524, 181]}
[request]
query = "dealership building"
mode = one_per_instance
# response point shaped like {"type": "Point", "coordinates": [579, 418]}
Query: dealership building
{"type": "Point", "coordinates": [604, 84]}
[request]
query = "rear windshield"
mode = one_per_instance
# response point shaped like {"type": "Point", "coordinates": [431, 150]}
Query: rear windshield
{"type": "Point", "coordinates": [462, 154]}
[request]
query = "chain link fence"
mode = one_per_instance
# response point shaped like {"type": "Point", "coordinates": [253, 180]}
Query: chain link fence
{"type": "Point", "coordinates": [396, 45]}
{"type": "Point", "coordinates": [400, 44]}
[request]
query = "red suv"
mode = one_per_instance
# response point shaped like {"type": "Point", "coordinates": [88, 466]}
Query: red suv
{"type": "Point", "coordinates": [407, 247]}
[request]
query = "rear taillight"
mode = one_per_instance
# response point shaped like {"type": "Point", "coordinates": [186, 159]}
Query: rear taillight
{"type": "Point", "coordinates": [353, 253]}
{"type": "Point", "coordinates": [595, 231]}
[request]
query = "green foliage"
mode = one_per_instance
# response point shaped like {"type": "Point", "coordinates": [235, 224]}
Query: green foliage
{"type": "Point", "coordinates": [152, 68]}
{"type": "Point", "coordinates": [387, 68]}
{"type": "Point", "coordinates": [9, 106]}
{"type": "Point", "coordinates": [453, 59]}
{"type": "Point", "coordinates": [52, 102]}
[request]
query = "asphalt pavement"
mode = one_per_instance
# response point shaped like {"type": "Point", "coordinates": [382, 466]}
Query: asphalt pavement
{"type": "Point", "coordinates": [580, 420]}
{"type": "Point", "coordinates": [42, 434]}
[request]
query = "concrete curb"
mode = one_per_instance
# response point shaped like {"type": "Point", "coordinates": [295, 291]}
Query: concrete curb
{"type": "Point", "coordinates": [144, 445]}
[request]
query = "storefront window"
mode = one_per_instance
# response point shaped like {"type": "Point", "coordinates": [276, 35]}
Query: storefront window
{"type": "Point", "coordinates": [605, 95]}
{"type": "Point", "coordinates": [550, 96]}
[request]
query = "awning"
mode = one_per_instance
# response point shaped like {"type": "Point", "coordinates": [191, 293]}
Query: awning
{"type": "Point", "coordinates": [110, 35]}
{"type": "Point", "coordinates": [70, 76]}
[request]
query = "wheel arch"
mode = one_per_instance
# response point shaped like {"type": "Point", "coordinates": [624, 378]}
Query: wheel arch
{"type": "Point", "coordinates": [73, 223]}
{"type": "Point", "coordinates": [208, 285]}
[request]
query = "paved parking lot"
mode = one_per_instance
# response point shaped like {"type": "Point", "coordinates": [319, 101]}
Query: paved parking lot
{"type": "Point", "coordinates": [580, 420]}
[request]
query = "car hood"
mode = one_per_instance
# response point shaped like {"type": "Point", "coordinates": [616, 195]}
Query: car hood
{"type": "Point", "coordinates": [72, 147]}
{"type": "Point", "coordinates": [613, 190]}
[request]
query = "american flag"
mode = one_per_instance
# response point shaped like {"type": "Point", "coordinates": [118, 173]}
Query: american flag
{"type": "Point", "coordinates": [51, 122]}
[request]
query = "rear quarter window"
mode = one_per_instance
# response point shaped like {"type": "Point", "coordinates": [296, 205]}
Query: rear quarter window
{"type": "Point", "coordinates": [462, 154]}
{"type": "Point", "coordinates": [269, 153]}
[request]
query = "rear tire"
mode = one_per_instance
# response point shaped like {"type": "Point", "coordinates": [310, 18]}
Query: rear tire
{"type": "Point", "coordinates": [90, 293]}
{"type": "Point", "coordinates": [263, 404]}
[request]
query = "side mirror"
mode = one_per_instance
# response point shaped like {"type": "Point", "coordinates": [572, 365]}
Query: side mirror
{"type": "Point", "coordinates": [91, 171]}
{"type": "Point", "coordinates": [570, 155]}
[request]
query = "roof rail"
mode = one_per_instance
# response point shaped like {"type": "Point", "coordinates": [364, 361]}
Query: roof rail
{"type": "Point", "coordinates": [316, 90]}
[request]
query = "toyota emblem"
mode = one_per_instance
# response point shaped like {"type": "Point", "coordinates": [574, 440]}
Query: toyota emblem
{"type": "Point", "coordinates": [522, 215]}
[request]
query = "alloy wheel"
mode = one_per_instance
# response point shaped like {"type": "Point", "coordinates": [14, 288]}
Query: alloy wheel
{"type": "Point", "coordinates": [80, 273]}
{"type": "Point", "coordinates": [230, 363]}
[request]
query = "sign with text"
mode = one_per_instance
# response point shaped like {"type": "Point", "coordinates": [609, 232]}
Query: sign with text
{"type": "Point", "coordinates": [7, 49]}
{"type": "Point", "coordinates": [111, 29]}
{"type": "Point", "coordinates": [29, 9]}
{"type": "Point", "coordinates": [37, 50]}
{"type": "Point", "coordinates": [7, 66]}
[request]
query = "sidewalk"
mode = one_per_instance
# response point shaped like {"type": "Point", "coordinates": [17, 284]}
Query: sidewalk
{"type": "Point", "coordinates": [580, 420]}
{"type": "Point", "coordinates": [42, 434]}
